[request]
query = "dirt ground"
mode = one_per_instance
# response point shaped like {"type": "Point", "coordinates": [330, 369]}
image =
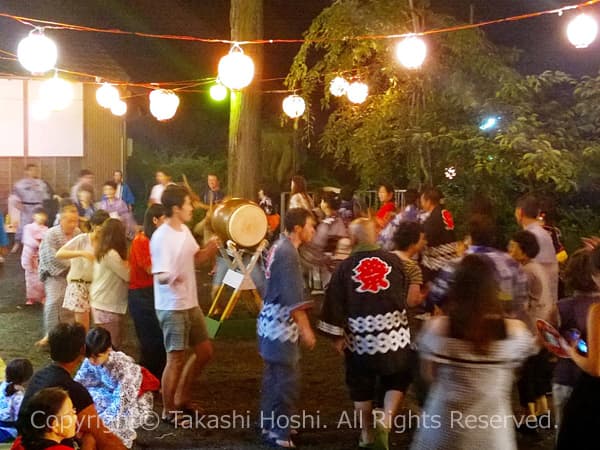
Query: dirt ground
{"type": "Point", "coordinates": [229, 388]}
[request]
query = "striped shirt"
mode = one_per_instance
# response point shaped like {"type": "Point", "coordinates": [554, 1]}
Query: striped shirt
{"type": "Point", "coordinates": [511, 279]}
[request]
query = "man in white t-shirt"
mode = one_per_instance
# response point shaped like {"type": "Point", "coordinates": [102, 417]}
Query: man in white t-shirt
{"type": "Point", "coordinates": [174, 252]}
{"type": "Point", "coordinates": [163, 179]}
{"type": "Point", "coordinates": [526, 213]}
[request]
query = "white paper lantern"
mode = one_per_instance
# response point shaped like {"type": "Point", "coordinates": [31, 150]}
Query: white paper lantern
{"type": "Point", "coordinates": [411, 52]}
{"type": "Point", "coordinates": [119, 108]}
{"type": "Point", "coordinates": [294, 106]}
{"type": "Point", "coordinates": [37, 53]}
{"type": "Point", "coordinates": [163, 104]}
{"type": "Point", "coordinates": [357, 92]}
{"type": "Point", "coordinates": [107, 95]}
{"type": "Point", "coordinates": [338, 86]}
{"type": "Point", "coordinates": [218, 92]}
{"type": "Point", "coordinates": [582, 31]}
{"type": "Point", "coordinates": [56, 93]}
{"type": "Point", "coordinates": [236, 69]}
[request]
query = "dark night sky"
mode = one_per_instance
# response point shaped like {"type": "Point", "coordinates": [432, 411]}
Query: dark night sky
{"type": "Point", "coordinates": [543, 39]}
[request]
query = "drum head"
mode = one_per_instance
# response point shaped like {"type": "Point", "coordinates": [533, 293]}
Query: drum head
{"type": "Point", "coordinates": [248, 225]}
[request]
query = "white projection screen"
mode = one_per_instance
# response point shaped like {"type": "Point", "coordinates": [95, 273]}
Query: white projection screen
{"type": "Point", "coordinates": [12, 127]}
{"type": "Point", "coordinates": [59, 134]}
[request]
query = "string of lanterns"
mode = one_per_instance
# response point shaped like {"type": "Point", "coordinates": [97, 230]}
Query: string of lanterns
{"type": "Point", "coordinates": [38, 54]}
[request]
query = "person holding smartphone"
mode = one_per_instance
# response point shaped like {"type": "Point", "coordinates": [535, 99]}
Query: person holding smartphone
{"type": "Point", "coordinates": [581, 414]}
{"type": "Point", "coordinates": [573, 314]}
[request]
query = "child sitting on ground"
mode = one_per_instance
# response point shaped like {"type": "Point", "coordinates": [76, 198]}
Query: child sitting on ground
{"type": "Point", "coordinates": [121, 389]}
{"type": "Point", "coordinates": [12, 390]}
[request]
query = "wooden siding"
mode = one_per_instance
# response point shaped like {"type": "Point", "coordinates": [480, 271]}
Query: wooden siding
{"type": "Point", "coordinates": [103, 151]}
{"type": "Point", "coordinates": [104, 139]}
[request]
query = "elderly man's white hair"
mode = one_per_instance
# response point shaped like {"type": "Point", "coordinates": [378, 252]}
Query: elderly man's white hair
{"type": "Point", "coordinates": [362, 231]}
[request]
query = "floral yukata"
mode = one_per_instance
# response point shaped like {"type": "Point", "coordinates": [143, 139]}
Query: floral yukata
{"type": "Point", "coordinates": [115, 387]}
{"type": "Point", "coordinates": [33, 234]}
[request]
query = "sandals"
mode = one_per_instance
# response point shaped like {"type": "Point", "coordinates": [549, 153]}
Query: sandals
{"type": "Point", "coordinates": [382, 437]}
{"type": "Point", "coordinates": [178, 419]}
{"type": "Point", "coordinates": [381, 441]}
{"type": "Point", "coordinates": [273, 441]}
{"type": "Point", "coordinates": [281, 443]}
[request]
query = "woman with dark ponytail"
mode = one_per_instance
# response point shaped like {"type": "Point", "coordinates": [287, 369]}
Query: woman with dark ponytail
{"type": "Point", "coordinates": [470, 356]}
{"type": "Point", "coordinates": [18, 372]}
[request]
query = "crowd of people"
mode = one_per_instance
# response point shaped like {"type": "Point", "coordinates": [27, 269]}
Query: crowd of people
{"type": "Point", "coordinates": [468, 310]}
{"type": "Point", "coordinates": [405, 302]}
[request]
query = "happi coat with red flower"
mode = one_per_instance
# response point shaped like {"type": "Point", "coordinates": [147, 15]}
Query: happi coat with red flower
{"type": "Point", "coordinates": [441, 241]}
{"type": "Point", "coordinates": [365, 303]}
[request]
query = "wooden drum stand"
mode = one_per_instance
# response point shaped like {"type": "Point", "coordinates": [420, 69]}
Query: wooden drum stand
{"type": "Point", "coordinates": [237, 277]}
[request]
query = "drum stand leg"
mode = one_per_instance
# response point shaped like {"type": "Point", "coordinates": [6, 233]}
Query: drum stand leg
{"type": "Point", "coordinates": [230, 304]}
{"type": "Point", "coordinates": [239, 281]}
{"type": "Point", "coordinates": [215, 302]}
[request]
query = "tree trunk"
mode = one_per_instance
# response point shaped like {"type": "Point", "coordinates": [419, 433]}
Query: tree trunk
{"type": "Point", "coordinates": [246, 18]}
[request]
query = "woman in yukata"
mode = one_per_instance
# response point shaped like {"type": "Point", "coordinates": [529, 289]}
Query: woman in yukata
{"type": "Point", "coordinates": [117, 208]}
{"type": "Point", "coordinates": [33, 233]}
{"type": "Point", "coordinates": [121, 389]}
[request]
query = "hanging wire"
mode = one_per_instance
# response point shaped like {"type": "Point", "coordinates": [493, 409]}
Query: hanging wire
{"type": "Point", "coordinates": [188, 85]}
{"type": "Point", "coordinates": [36, 23]}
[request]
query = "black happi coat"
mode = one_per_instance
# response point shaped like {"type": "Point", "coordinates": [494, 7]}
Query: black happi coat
{"type": "Point", "coordinates": [366, 303]}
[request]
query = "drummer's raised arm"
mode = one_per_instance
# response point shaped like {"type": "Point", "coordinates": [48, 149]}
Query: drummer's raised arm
{"type": "Point", "coordinates": [207, 252]}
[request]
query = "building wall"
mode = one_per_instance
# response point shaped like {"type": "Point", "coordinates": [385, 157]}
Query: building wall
{"type": "Point", "coordinates": [104, 150]}
{"type": "Point", "coordinates": [104, 137]}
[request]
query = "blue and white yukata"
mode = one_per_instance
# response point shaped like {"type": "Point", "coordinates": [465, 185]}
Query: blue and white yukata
{"type": "Point", "coordinates": [115, 388]}
{"type": "Point", "coordinates": [278, 337]}
{"type": "Point", "coordinates": [9, 411]}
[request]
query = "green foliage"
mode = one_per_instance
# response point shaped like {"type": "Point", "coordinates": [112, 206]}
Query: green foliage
{"type": "Point", "coordinates": [278, 155]}
{"type": "Point", "coordinates": [144, 162]}
{"type": "Point", "coordinates": [414, 124]}
{"type": "Point", "coordinates": [578, 222]}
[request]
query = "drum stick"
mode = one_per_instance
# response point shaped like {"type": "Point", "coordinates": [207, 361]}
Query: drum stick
{"type": "Point", "coordinates": [197, 203]}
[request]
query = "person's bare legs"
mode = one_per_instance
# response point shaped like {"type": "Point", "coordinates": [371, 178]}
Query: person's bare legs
{"type": "Point", "coordinates": [203, 353]}
{"type": "Point", "coordinates": [170, 379]}
{"type": "Point", "coordinates": [83, 318]}
{"type": "Point", "coordinates": [391, 404]}
{"type": "Point", "coordinates": [365, 411]}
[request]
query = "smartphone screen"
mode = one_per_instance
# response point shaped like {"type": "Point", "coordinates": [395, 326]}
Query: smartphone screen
{"type": "Point", "coordinates": [582, 347]}
{"type": "Point", "coordinates": [550, 338]}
